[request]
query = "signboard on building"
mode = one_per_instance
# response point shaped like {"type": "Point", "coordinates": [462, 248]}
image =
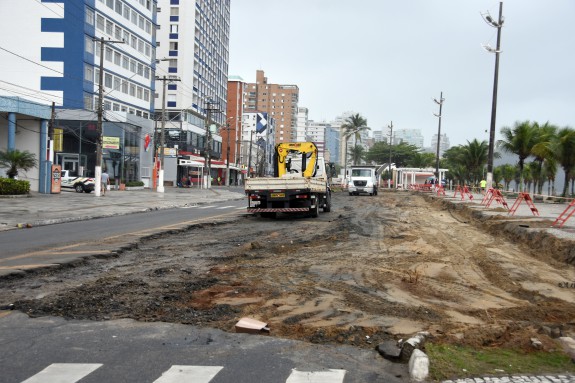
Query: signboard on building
{"type": "Point", "coordinates": [58, 139]}
{"type": "Point", "coordinates": [110, 142]}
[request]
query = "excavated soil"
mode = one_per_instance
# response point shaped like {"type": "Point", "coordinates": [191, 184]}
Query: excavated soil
{"type": "Point", "coordinates": [373, 269]}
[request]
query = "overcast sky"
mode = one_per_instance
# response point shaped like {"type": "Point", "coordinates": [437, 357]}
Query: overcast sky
{"type": "Point", "coordinates": [387, 60]}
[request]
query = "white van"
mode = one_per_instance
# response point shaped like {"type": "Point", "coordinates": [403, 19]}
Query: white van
{"type": "Point", "coordinates": [363, 179]}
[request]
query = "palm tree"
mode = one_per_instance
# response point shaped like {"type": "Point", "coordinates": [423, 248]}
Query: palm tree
{"type": "Point", "coordinates": [543, 150]}
{"type": "Point", "coordinates": [353, 126]}
{"type": "Point", "coordinates": [565, 154]}
{"type": "Point", "coordinates": [508, 173]}
{"type": "Point", "coordinates": [357, 154]}
{"type": "Point", "coordinates": [422, 160]}
{"type": "Point", "coordinates": [475, 158]}
{"type": "Point", "coordinates": [550, 166]}
{"type": "Point", "coordinates": [16, 160]}
{"type": "Point", "coordinates": [519, 140]}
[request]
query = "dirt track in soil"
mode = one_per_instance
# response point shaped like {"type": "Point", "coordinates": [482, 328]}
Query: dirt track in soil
{"type": "Point", "coordinates": [375, 268]}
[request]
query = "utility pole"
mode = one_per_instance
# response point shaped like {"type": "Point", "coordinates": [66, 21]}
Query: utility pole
{"type": "Point", "coordinates": [250, 155]}
{"type": "Point", "coordinates": [98, 170]}
{"type": "Point", "coordinates": [390, 144]}
{"type": "Point", "coordinates": [495, 24]}
{"type": "Point", "coordinates": [160, 188]}
{"type": "Point", "coordinates": [440, 103]}
{"type": "Point", "coordinates": [208, 157]}
{"type": "Point", "coordinates": [227, 183]}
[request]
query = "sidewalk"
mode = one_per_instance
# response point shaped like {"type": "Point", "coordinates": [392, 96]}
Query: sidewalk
{"type": "Point", "coordinates": [44, 209]}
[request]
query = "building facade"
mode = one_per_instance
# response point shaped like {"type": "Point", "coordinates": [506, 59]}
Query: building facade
{"type": "Point", "coordinates": [59, 59]}
{"type": "Point", "coordinates": [279, 101]}
{"type": "Point", "coordinates": [443, 144]}
{"type": "Point", "coordinates": [408, 136]}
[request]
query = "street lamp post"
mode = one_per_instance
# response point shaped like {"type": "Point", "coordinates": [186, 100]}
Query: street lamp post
{"type": "Point", "coordinates": [250, 154]}
{"type": "Point", "coordinates": [390, 145]}
{"type": "Point", "coordinates": [440, 103]}
{"type": "Point", "coordinates": [495, 24]}
{"type": "Point", "coordinates": [98, 169]}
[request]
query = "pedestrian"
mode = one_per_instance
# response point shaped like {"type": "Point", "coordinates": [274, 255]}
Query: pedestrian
{"type": "Point", "coordinates": [105, 181]}
{"type": "Point", "coordinates": [483, 184]}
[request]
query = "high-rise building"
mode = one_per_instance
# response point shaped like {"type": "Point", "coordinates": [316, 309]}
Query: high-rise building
{"type": "Point", "coordinates": [279, 101]}
{"type": "Point", "coordinates": [302, 121]}
{"type": "Point", "coordinates": [57, 56]}
{"type": "Point", "coordinates": [234, 112]}
{"type": "Point", "coordinates": [443, 144]}
{"type": "Point", "coordinates": [408, 136]}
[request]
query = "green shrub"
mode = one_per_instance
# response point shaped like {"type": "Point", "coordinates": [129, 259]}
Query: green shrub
{"type": "Point", "coordinates": [9, 186]}
{"type": "Point", "coordinates": [134, 183]}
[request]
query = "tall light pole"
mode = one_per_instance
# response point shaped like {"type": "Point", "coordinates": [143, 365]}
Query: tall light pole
{"type": "Point", "coordinates": [98, 169]}
{"type": "Point", "coordinates": [208, 158]}
{"type": "Point", "coordinates": [228, 128]}
{"type": "Point", "coordinates": [390, 145]}
{"type": "Point", "coordinates": [440, 103]}
{"type": "Point", "coordinates": [495, 24]}
{"type": "Point", "coordinates": [250, 155]}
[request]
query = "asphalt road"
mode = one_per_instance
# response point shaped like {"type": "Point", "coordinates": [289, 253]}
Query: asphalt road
{"type": "Point", "coordinates": [53, 244]}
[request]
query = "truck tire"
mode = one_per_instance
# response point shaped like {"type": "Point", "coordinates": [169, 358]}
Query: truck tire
{"type": "Point", "coordinates": [315, 210]}
{"type": "Point", "coordinates": [79, 188]}
{"type": "Point", "coordinates": [327, 207]}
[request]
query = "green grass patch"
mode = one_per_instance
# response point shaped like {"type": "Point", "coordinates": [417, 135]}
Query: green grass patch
{"type": "Point", "coordinates": [450, 362]}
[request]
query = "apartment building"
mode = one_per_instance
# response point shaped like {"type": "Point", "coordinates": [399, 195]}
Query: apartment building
{"type": "Point", "coordinates": [408, 136]}
{"type": "Point", "coordinates": [57, 58]}
{"type": "Point", "coordinates": [279, 101]}
{"type": "Point", "coordinates": [192, 73]}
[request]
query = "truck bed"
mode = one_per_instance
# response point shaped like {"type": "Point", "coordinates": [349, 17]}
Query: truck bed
{"type": "Point", "coordinates": [285, 183]}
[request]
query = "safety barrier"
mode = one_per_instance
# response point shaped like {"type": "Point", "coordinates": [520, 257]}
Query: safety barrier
{"type": "Point", "coordinates": [464, 191]}
{"type": "Point", "coordinates": [567, 213]}
{"type": "Point", "coordinates": [494, 194]}
{"type": "Point", "coordinates": [523, 197]}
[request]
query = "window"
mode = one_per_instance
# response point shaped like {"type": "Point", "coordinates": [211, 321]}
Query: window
{"type": "Point", "coordinates": [134, 17]}
{"type": "Point", "coordinates": [140, 93]}
{"type": "Point", "coordinates": [141, 22]}
{"type": "Point", "coordinates": [119, 7]}
{"type": "Point", "coordinates": [110, 3]}
{"type": "Point", "coordinates": [146, 95]}
{"type": "Point", "coordinates": [174, 11]}
{"type": "Point", "coordinates": [173, 45]}
{"type": "Point", "coordinates": [148, 27]}
{"type": "Point", "coordinates": [126, 12]}
{"type": "Point", "coordinates": [88, 101]}
{"type": "Point", "coordinates": [100, 22]}
{"type": "Point", "coordinates": [88, 73]}
{"type": "Point", "coordinates": [134, 42]}
{"type": "Point", "coordinates": [107, 105]}
{"type": "Point", "coordinates": [125, 62]}
{"type": "Point", "coordinates": [140, 69]}
{"type": "Point", "coordinates": [132, 90]}
{"type": "Point", "coordinates": [124, 87]}
{"type": "Point", "coordinates": [107, 80]}
{"type": "Point", "coordinates": [89, 16]}
{"type": "Point", "coordinates": [148, 50]}
{"type": "Point", "coordinates": [147, 72]}
{"type": "Point", "coordinates": [117, 58]}
{"type": "Point", "coordinates": [117, 83]}
{"type": "Point", "coordinates": [126, 37]}
{"type": "Point", "coordinates": [89, 44]}
{"type": "Point", "coordinates": [141, 46]}
{"type": "Point", "coordinates": [173, 28]}
{"type": "Point", "coordinates": [116, 107]}
{"type": "Point", "coordinates": [108, 55]}
{"type": "Point", "coordinates": [109, 27]}
{"type": "Point", "coordinates": [133, 66]}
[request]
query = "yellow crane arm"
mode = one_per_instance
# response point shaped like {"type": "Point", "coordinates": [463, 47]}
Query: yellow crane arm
{"type": "Point", "coordinates": [308, 152]}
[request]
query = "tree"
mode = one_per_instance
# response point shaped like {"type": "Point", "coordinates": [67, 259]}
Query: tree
{"type": "Point", "coordinates": [565, 154]}
{"type": "Point", "coordinates": [353, 126]}
{"type": "Point", "coordinates": [543, 150]}
{"type": "Point", "coordinates": [357, 154]}
{"type": "Point", "coordinates": [550, 166]}
{"type": "Point", "coordinates": [16, 160]}
{"type": "Point", "coordinates": [422, 160]}
{"type": "Point", "coordinates": [507, 173]}
{"type": "Point", "coordinates": [401, 154]}
{"type": "Point", "coordinates": [519, 140]}
{"type": "Point", "coordinates": [474, 156]}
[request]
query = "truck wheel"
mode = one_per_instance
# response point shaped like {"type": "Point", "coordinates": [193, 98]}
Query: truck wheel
{"type": "Point", "coordinates": [327, 207]}
{"type": "Point", "coordinates": [79, 188]}
{"type": "Point", "coordinates": [315, 210]}
{"type": "Point", "coordinates": [350, 193]}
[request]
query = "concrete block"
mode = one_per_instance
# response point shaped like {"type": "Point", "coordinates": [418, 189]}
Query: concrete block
{"type": "Point", "coordinates": [418, 366]}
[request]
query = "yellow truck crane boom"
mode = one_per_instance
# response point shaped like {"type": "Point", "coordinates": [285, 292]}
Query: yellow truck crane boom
{"type": "Point", "coordinates": [286, 152]}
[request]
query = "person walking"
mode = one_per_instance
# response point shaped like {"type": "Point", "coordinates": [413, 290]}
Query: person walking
{"type": "Point", "coordinates": [105, 181]}
{"type": "Point", "coordinates": [483, 184]}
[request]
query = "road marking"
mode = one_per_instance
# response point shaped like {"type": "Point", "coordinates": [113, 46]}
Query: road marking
{"type": "Point", "coordinates": [241, 208]}
{"type": "Point", "coordinates": [63, 373]}
{"type": "Point", "coordinates": [329, 376]}
{"type": "Point", "coordinates": [206, 207]}
{"type": "Point", "coordinates": [224, 207]}
{"type": "Point", "coordinates": [196, 374]}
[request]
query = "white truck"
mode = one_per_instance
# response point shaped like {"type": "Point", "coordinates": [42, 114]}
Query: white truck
{"type": "Point", "coordinates": [363, 179]}
{"type": "Point", "coordinates": [300, 183]}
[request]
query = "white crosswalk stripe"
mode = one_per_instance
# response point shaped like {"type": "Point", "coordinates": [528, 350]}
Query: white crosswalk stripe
{"type": "Point", "coordinates": [63, 373]}
{"type": "Point", "coordinates": [73, 372]}
{"type": "Point", "coordinates": [224, 207]}
{"type": "Point", "coordinates": [329, 376]}
{"type": "Point", "coordinates": [196, 374]}
{"type": "Point", "coordinates": [241, 208]}
{"type": "Point", "coordinates": [205, 207]}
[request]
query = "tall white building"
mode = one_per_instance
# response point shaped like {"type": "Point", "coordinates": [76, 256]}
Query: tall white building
{"type": "Point", "coordinates": [409, 136]}
{"type": "Point", "coordinates": [301, 124]}
{"type": "Point", "coordinates": [443, 144]}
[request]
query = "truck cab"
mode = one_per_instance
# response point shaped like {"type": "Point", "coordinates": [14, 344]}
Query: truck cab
{"type": "Point", "coordinates": [363, 180]}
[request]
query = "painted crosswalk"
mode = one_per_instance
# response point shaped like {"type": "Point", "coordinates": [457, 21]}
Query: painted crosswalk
{"type": "Point", "coordinates": [74, 372]}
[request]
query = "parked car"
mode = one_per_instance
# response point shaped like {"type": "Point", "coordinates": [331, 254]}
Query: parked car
{"type": "Point", "coordinates": [79, 184]}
